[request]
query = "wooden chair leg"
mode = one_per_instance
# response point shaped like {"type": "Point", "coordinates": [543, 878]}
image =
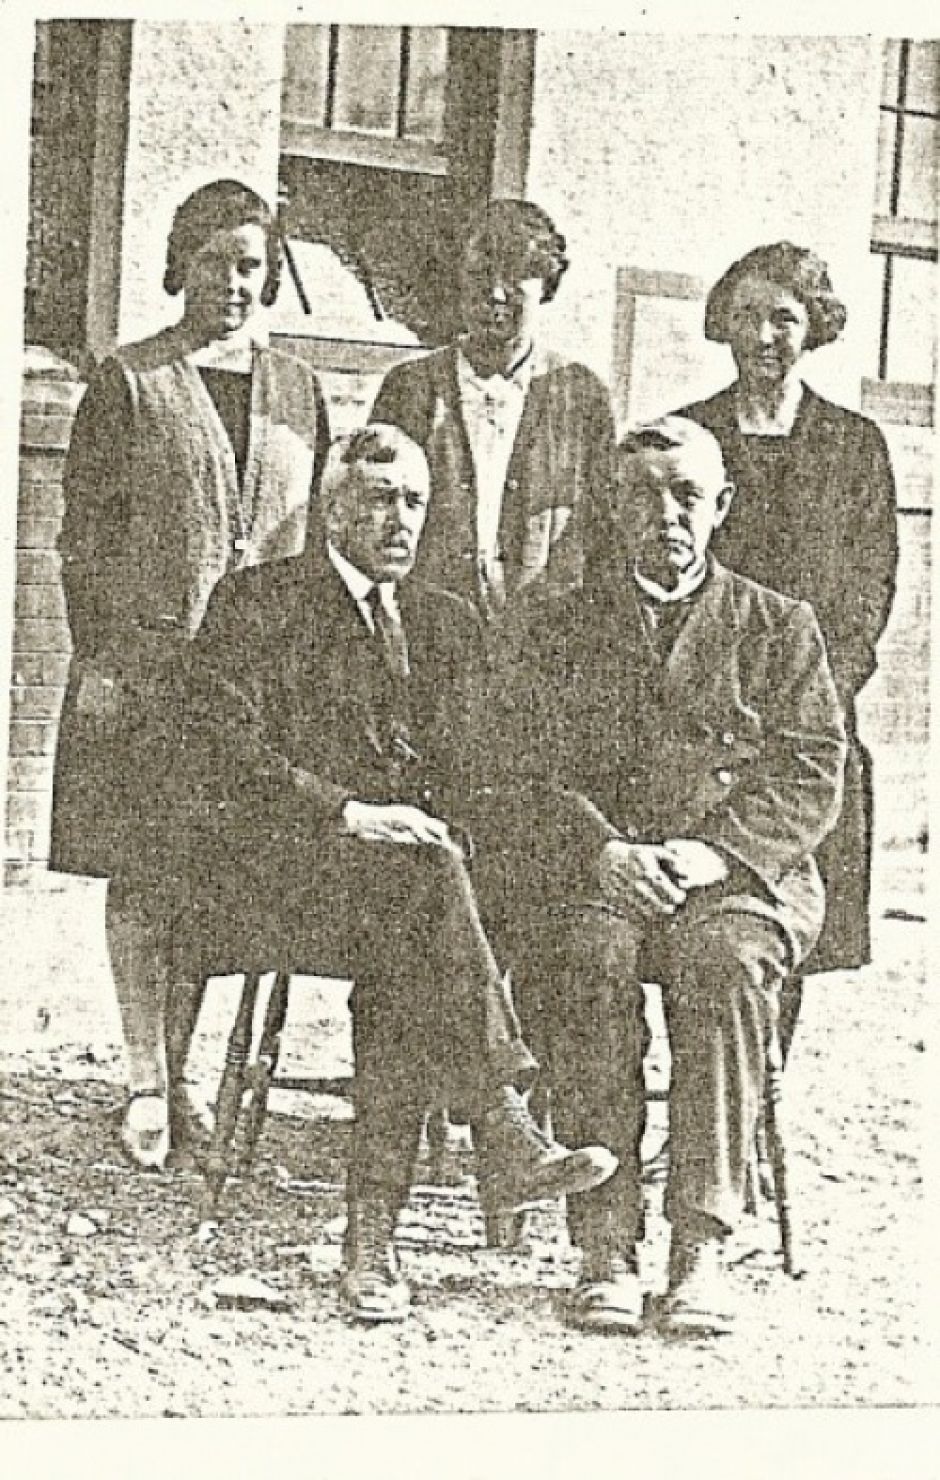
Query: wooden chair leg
{"type": "Point", "coordinates": [775, 1130]}
{"type": "Point", "coordinates": [777, 1152]}
{"type": "Point", "coordinates": [184, 999]}
{"type": "Point", "coordinates": [750, 1184]}
{"type": "Point", "coordinates": [264, 1069]}
{"type": "Point", "coordinates": [229, 1100]}
{"type": "Point", "coordinates": [437, 1123]}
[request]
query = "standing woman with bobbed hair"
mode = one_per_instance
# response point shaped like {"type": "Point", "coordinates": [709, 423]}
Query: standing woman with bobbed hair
{"type": "Point", "coordinates": [814, 516]}
{"type": "Point", "coordinates": [194, 452]}
{"type": "Point", "coordinates": [519, 440]}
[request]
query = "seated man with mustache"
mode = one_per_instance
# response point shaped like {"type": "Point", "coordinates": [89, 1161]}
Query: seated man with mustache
{"type": "Point", "coordinates": [688, 752]}
{"type": "Point", "coordinates": [330, 780]}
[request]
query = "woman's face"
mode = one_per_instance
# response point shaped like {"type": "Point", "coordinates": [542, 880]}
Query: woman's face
{"type": "Point", "coordinates": [499, 306]}
{"type": "Point", "coordinates": [767, 329]}
{"type": "Point", "coordinates": [223, 281]}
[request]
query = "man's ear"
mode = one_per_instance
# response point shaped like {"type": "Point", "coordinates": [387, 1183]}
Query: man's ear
{"type": "Point", "coordinates": [723, 504]}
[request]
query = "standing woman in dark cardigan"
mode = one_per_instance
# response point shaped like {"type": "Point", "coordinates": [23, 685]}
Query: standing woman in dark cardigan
{"type": "Point", "coordinates": [519, 440]}
{"type": "Point", "coordinates": [814, 516]}
{"type": "Point", "coordinates": [194, 452]}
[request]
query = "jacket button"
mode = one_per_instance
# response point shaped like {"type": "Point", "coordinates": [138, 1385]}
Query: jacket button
{"type": "Point", "coordinates": [724, 776]}
{"type": "Point", "coordinates": [512, 484]}
{"type": "Point", "coordinates": [632, 833]}
{"type": "Point", "coordinates": [728, 737]}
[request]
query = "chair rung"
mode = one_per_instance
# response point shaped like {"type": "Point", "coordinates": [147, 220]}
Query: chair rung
{"type": "Point", "coordinates": [342, 1088]}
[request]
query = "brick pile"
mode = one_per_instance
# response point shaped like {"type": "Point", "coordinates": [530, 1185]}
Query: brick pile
{"type": "Point", "coordinates": [41, 643]}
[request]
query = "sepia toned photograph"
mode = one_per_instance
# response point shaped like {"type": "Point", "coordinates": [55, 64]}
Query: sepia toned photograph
{"type": "Point", "coordinates": [465, 913]}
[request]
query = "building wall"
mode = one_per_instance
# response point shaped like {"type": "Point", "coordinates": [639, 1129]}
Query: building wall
{"type": "Point", "coordinates": [204, 103]}
{"type": "Point", "coordinates": [677, 153]}
{"type": "Point", "coordinates": [664, 153]}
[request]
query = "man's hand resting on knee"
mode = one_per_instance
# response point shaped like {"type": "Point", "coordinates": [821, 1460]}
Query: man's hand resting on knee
{"type": "Point", "coordinates": [695, 865]}
{"type": "Point", "coordinates": [397, 822]}
{"type": "Point", "coordinates": [638, 878]}
{"type": "Point", "coordinates": [654, 879]}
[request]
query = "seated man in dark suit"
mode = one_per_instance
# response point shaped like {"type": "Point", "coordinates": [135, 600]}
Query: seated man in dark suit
{"type": "Point", "coordinates": [691, 751]}
{"type": "Point", "coordinates": [333, 790]}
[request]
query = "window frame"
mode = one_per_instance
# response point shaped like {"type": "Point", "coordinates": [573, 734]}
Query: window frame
{"type": "Point", "coordinates": [894, 236]}
{"type": "Point", "coordinates": [300, 138]}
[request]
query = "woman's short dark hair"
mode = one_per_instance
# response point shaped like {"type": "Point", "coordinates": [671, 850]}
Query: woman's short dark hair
{"type": "Point", "coordinates": [222, 205]}
{"type": "Point", "coordinates": [522, 238]}
{"type": "Point", "coordinates": [795, 269]}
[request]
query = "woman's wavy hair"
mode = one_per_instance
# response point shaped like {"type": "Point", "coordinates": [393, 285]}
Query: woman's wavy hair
{"type": "Point", "coordinates": [222, 205]}
{"type": "Point", "coordinates": [795, 269]}
{"type": "Point", "coordinates": [520, 236]}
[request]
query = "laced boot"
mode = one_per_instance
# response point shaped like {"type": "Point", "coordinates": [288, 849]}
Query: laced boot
{"type": "Point", "coordinates": [521, 1164]}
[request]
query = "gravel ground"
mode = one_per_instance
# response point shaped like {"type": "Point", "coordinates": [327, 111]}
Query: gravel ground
{"type": "Point", "coordinates": [115, 1315]}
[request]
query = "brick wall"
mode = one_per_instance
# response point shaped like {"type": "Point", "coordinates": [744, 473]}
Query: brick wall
{"type": "Point", "coordinates": [41, 644]}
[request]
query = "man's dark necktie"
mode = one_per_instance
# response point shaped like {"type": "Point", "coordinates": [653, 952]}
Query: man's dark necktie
{"type": "Point", "coordinates": [391, 634]}
{"type": "Point", "coordinates": [663, 621]}
{"type": "Point", "coordinates": [390, 637]}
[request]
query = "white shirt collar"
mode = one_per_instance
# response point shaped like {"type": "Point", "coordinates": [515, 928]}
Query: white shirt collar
{"type": "Point", "coordinates": [358, 584]}
{"type": "Point", "coordinates": [518, 379]}
{"type": "Point", "coordinates": [655, 592]}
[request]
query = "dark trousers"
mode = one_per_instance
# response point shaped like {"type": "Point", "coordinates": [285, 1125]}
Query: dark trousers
{"type": "Point", "coordinates": [721, 976]}
{"type": "Point", "coordinates": [432, 1016]}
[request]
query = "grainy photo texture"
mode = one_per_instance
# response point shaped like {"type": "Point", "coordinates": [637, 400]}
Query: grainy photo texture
{"type": "Point", "coordinates": [464, 925]}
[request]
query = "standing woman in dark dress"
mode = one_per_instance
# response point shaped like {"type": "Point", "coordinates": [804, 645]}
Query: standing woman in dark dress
{"type": "Point", "coordinates": [814, 516]}
{"type": "Point", "coordinates": [194, 452]}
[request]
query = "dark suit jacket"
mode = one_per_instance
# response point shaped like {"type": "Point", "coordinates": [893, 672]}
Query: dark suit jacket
{"type": "Point", "coordinates": [288, 711]}
{"type": "Point", "coordinates": [736, 739]}
{"type": "Point", "coordinates": [815, 516]}
{"type": "Point", "coordinates": [556, 497]}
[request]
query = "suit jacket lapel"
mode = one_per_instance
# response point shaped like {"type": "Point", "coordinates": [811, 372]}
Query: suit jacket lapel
{"type": "Point", "coordinates": [336, 656]}
{"type": "Point", "coordinates": [700, 656]}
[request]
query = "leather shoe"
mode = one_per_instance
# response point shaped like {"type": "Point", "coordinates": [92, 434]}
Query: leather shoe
{"type": "Point", "coordinates": [371, 1287]}
{"type": "Point", "coordinates": [520, 1164]}
{"type": "Point", "coordinates": [698, 1299]}
{"type": "Point", "coordinates": [145, 1131]}
{"type": "Point", "coordinates": [608, 1298]}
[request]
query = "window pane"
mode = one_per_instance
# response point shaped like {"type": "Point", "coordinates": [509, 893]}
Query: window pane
{"type": "Point", "coordinates": [306, 55]}
{"type": "Point", "coordinates": [918, 196]}
{"type": "Point", "coordinates": [889, 85]}
{"type": "Point", "coordinates": [923, 78]}
{"type": "Point", "coordinates": [887, 125]}
{"type": "Point", "coordinates": [367, 79]}
{"type": "Point", "coordinates": [912, 340]}
{"type": "Point", "coordinates": [427, 76]}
